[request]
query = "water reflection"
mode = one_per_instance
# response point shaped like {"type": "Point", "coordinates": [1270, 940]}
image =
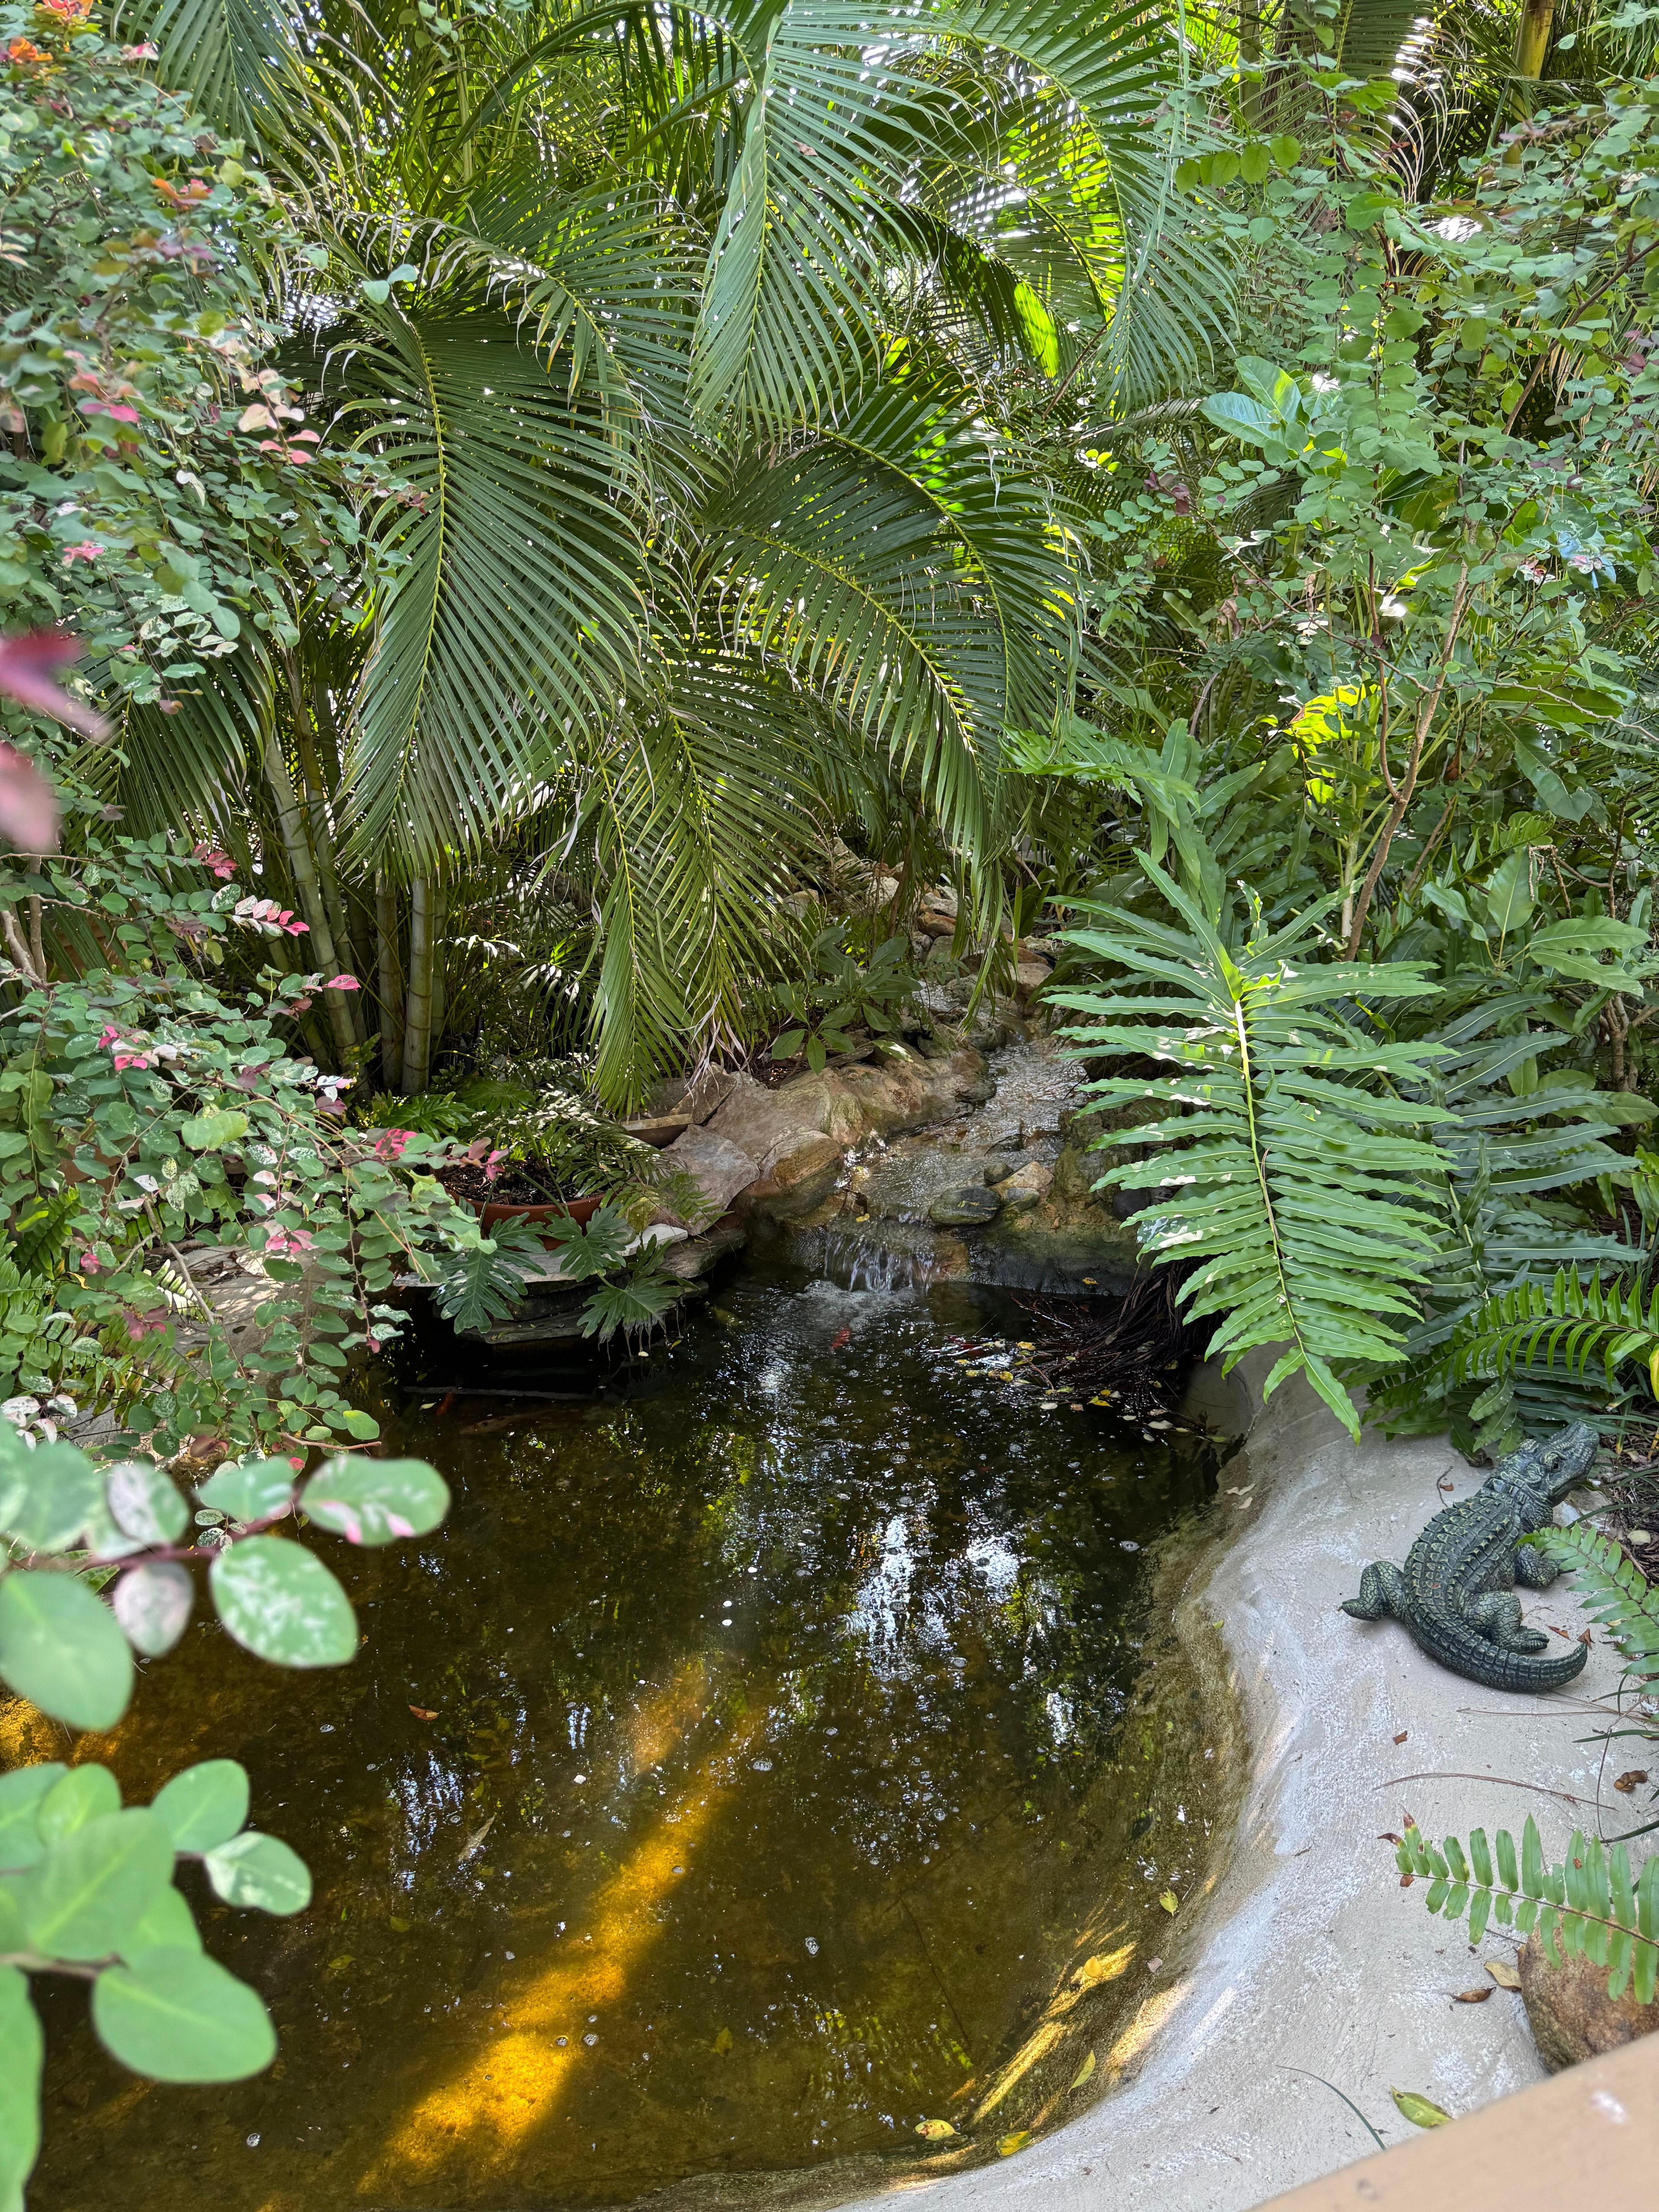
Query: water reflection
{"type": "Point", "coordinates": [739, 1777]}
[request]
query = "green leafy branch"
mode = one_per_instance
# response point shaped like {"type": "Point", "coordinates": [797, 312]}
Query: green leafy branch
{"type": "Point", "coordinates": [1589, 1907]}
{"type": "Point", "coordinates": [1616, 1593]}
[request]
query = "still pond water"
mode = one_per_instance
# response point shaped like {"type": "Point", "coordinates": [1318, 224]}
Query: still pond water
{"type": "Point", "coordinates": [743, 1774]}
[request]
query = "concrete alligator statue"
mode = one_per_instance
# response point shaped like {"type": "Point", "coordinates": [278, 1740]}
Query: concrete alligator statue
{"type": "Point", "coordinates": [1456, 1591]}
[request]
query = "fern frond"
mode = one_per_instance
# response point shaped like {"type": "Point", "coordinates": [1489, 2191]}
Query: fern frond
{"type": "Point", "coordinates": [1296, 1184]}
{"type": "Point", "coordinates": [1590, 1907]}
{"type": "Point", "coordinates": [1615, 1592]}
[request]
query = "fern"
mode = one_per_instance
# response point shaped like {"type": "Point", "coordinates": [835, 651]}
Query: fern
{"type": "Point", "coordinates": [1590, 1907]}
{"type": "Point", "coordinates": [1540, 1352]}
{"type": "Point", "coordinates": [1280, 1169]}
{"type": "Point", "coordinates": [1616, 1593]}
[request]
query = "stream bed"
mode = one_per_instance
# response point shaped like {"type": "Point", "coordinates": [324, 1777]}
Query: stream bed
{"type": "Point", "coordinates": [774, 1755]}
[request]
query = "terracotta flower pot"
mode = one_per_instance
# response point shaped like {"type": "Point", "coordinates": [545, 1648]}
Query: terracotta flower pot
{"type": "Point", "coordinates": [578, 1209]}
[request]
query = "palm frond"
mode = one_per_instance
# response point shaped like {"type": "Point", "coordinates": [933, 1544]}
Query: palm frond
{"type": "Point", "coordinates": [514, 613]}
{"type": "Point", "coordinates": [1616, 1593]}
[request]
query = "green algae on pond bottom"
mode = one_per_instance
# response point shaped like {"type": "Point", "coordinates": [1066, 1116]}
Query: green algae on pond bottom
{"type": "Point", "coordinates": [746, 1772]}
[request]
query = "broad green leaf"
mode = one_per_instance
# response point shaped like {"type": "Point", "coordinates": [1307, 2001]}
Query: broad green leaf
{"type": "Point", "coordinates": [47, 1495]}
{"type": "Point", "coordinates": [1509, 892]}
{"type": "Point", "coordinates": [145, 1502]}
{"type": "Point", "coordinates": [281, 1604]}
{"type": "Point", "coordinates": [22, 2047]}
{"type": "Point", "coordinates": [82, 1795]}
{"type": "Point", "coordinates": [21, 1792]}
{"type": "Point", "coordinates": [204, 1806]}
{"type": "Point", "coordinates": [260, 1870]}
{"type": "Point", "coordinates": [61, 1649]}
{"type": "Point", "coordinates": [1241, 417]}
{"type": "Point", "coordinates": [13, 1936]}
{"type": "Point", "coordinates": [168, 1924]}
{"type": "Point", "coordinates": [207, 1132]}
{"type": "Point", "coordinates": [375, 1501]}
{"type": "Point", "coordinates": [85, 1895]}
{"type": "Point", "coordinates": [252, 1492]}
{"type": "Point", "coordinates": [153, 1604]}
{"type": "Point", "coordinates": [176, 2015]}
{"type": "Point", "coordinates": [1275, 388]}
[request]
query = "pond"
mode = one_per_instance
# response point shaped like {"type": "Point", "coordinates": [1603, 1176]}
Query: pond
{"type": "Point", "coordinates": [764, 1761]}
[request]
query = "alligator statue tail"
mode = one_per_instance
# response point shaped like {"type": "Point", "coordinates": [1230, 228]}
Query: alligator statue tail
{"type": "Point", "coordinates": [1455, 1644]}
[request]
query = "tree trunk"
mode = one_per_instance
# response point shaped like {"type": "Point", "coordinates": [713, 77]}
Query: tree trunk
{"type": "Point", "coordinates": [417, 1019]}
{"type": "Point", "coordinates": [1532, 37]}
{"type": "Point", "coordinates": [389, 976]}
{"type": "Point", "coordinates": [309, 891]}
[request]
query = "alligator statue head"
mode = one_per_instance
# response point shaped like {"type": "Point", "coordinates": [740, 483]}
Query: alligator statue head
{"type": "Point", "coordinates": [1539, 1476]}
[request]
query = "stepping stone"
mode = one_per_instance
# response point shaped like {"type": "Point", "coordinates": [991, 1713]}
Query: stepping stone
{"type": "Point", "coordinates": [969, 1207]}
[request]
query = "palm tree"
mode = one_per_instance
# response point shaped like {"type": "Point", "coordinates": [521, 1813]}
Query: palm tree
{"type": "Point", "coordinates": [693, 336]}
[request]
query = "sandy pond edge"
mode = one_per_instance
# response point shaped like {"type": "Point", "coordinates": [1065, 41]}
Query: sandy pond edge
{"type": "Point", "coordinates": [1308, 1955]}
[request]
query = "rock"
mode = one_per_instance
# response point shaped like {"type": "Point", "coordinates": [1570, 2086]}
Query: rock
{"type": "Point", "coordinates": [695, 1096]}
{"type": "Point", "coordinates": [999, 1168]}
{"type": "Point", "coordinates": [720, 1168]}
{"type": "Point", "coordinates": [658, 1129]}
{"type": "Point", "coordinates": [1569, 2012]}
{"type": "Point", "coordinates": [659, 1233]}
{"type": "Point", "coordinates": [1030, 975]}
{"type": "Point", "coordinates": [801, 1174]}
{"type": "Point", "coordinates": [1027, 1186]}
{"type": "Point", "coordinates": [969, 1207]}
{"type": "Point", "coordinates": [760, 1121]}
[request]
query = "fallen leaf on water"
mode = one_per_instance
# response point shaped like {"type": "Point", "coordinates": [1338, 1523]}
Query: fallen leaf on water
{"type": "Point", "coordinates": [1418, 2110]}
{"type": "Point", "coordinates": [421, 1713]}
{"type": "Point", "coordinates": [1504, 1973]}
{"type": "Point", "coordinates": [1170, 1901]}
{"type": "Point", "coordinates": [1010, 2144]}
{"type": "Point", "coordinates": [339, 1966]}
{"type": "Point", "coordinates": [475, 1841]}
{"type": "Point", "coordinates": [1628, 1782]}
{"type": "Point", "coordinates": [935, 2130]}
{"type": "Point", "coordinates": [1471, 1997]}
{"type": "Point", "coordinates": [1084, 2072]}
{"type": "Point", "coordinates": [400, 1926]}
{"type": "Point", "coordinates": [1104, 1966]}
{"type": "Point", "coordinates": [1403, 1733]}
{"type": "Point", "coordinates": [723, 2042]}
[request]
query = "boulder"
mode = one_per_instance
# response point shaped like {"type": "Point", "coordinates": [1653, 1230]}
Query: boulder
{"type": "Point", "coordinates": [1027, 1186]}
{"type": "Point", "coordinates": [720, 1168]}
{"type": "Point", "coordinates": [799, 1176]}
{"type": "Point", "coordinates": [695, 1096]}
{"type": "Point", "coordinates": [1002, 1166]}
{"type": "Point", "coordinates": [760, 1121]}
{"type": "Point", "coordinates": [970, 1205]}
{"type": "Point", "coordinates": [1030, 975]}
{"type": "Point", "coordinates": [1568, 2010]}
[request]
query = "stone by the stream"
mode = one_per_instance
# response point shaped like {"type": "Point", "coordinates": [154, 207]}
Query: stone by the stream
{"type": "Point", "coordinates": [1568, 2010]}
{"type": "Point", "coordinates": [966, 1207]}
{"type": "Point", "coordinates": [1027, 1186]}
{"type": "Point", "coordinates": [999, 1168]}
{"type": "Point", "coordinates": [720, 1168]}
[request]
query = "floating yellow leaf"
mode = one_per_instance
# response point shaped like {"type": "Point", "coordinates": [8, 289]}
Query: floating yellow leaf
{"type": "Point", "coordinates": [1502, 1972]}
{"type": "Point", "coordinates": [1417, 2109]}
{"type": "Point", "coordinates": [1083, 2071]}
{"type": "Point", "coordinates": [1170, 1901]}
{"type": "Point", "coordinates": [1104, 1966]}
{"type": "Point", "coordinates": [723, 2042]}
{"type": "Point", "coordinates": [935, 2130]}
{"type": "Point", "coordinates": [1010, 2144]}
